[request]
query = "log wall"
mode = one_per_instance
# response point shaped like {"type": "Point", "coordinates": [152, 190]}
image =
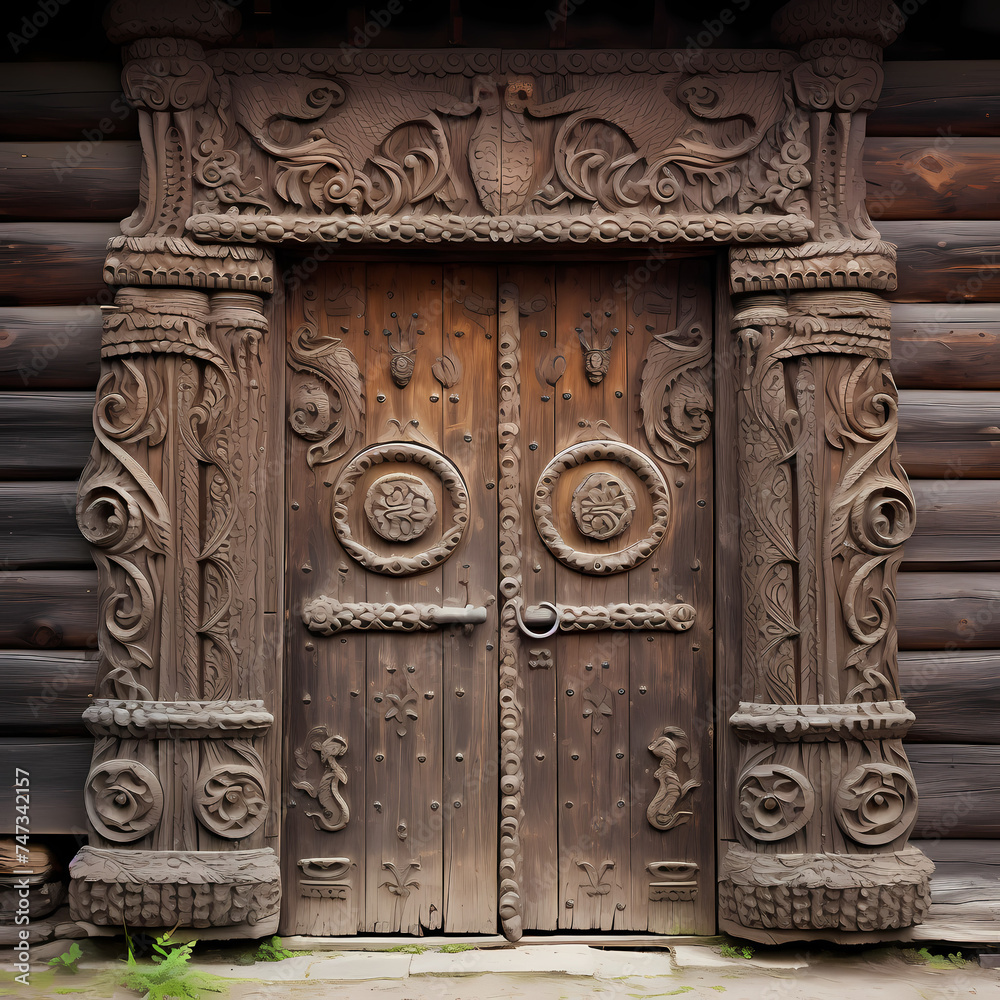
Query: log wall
{"type": "Point", "coordinates": [933, 169]}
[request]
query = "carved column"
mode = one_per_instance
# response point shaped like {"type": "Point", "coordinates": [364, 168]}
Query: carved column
{"type": "Point", "coordinates": [825, 798]}
{"type": "Point", "coordinates": [177, 503]}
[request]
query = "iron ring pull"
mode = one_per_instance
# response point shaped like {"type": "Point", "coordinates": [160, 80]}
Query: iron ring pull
{"type": "Point", "coordinates": [537, 635]}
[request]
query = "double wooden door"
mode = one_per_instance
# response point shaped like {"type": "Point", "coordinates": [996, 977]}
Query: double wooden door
{"type": "Point", "coordinates": [499, 576]}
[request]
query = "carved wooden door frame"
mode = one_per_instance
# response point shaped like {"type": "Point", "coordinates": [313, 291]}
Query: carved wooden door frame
{"type": "Point", "coordinates": [246, 150]}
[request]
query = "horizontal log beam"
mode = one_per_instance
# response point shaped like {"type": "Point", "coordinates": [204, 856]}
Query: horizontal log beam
{"type": "Point", "coordinates": [945, 261]}
{"type": "Point", "coordinates": [53, 263]}
{"type": "Point", "coordinates": [949, 434]}
{"type": "Point", "coordinates": [57, 773]}
{"type": "Point", "coordinates": [959, 790]}
{"type": "Point", "coordinates": [50, 347]}
{"type": "Point", "coordinates": [949, 610]}
{"type": "Point", "coordinates": [42, 180]}
{"type": "Point", "coordinates": [48, 609]}
{"type": "Point", "coordinates": [940, 97]}
{"type": "Point", "coordinates": [45, 435]}
{"type": "Point", "coordinates": [38, 527]}
{"type": "Point", "coordinates": [80, 103]}
{"type": "Point", "coordinates": [955, 695]}
{"type": "Point", "coordinates": [958, 522]}
{"type": "Point", "coordinates": [45, 694]}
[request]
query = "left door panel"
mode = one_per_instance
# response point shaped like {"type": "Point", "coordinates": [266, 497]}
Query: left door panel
{"type": "Point", "coordinates": [390, 787]}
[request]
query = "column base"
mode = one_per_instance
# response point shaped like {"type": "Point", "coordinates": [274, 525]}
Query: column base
{"type": "Point", "coordinates": [819, 896]}
{"type": "Point", "coordinates": [235, 889]}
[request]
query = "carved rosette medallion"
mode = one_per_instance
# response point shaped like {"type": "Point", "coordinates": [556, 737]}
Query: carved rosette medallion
{"type": "Point", "coordinates": [774, 802]}
{"type": "Point", "coordinates": [603, 506]}
{"type": "Point", "coordinates": [231, 801]}
{"type": "Point", "coordinates": [601, 563]}
{"type": "Point", "coordinates": [876, 803]}
{"type": "Point", "coordinates": [124, 800]}
{"type": "Point", "coordinates": [400, 508]}
{"type": "Point", "coordinates": [379, 513]}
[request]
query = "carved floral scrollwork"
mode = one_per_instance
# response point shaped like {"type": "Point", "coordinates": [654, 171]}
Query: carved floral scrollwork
{"type": "Point", "coordinates": [603, 506]}
{"type": "Point", "coordinates": [326, 789]}
{"type": "Point", "coordinates": [675, 752]}
{"type": "Point", "coordinates": [775, 801]}
{"type": "Point", "coordinates": [876, 803]}
{"type": "Point", "coordinates": [231, 801]}
{"type": "Point", "coordinates": [124, 800]}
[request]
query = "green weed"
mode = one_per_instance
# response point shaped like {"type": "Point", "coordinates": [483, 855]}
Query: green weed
{"type": "Point", "coordinates": [272, 951]}
{"type": "Point", "coordinates": [451, 949]}
{"type": "Point", "coordinates": [66, 962]}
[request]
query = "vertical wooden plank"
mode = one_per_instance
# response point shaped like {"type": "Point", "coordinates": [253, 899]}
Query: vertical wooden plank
{"type": "Point", "coordinates": [403, 883]}
{"type": "Point", "coordinates": [469, 666]}
{"type": "Point", "coordinates": [592, 669]}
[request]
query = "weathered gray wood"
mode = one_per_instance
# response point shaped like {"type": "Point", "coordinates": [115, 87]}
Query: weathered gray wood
{"type": "Point", "coordinates": [80, 103]}
{"type": "Point", "coordinates": [48, 609]}
{"type": "Point", "coordinates": [40, 180]}
{"type": "Point", "coordinates": [945, 261]}
{"type": "Point", "coordinates": [943, 97]}
{"type": "Point", "coordinates": [958, 521]}
{"type": "Point", "coordinates": [54, 263]}
{"type": "Point", "coordinates": [959, 789]}
{"type": "Point", "coordinates": [45, 694]}
{"type": "Point", "coordinates": [949, 610]}
{"type": "Point", "coordinates": [38, 527]}
{"type": "Point", "coordinates": [954, 694]}
{"type": "Point", "coordinates": [939, 178]}
{"type": "Point", "coordinates": [50, 347]}
{"type": "Point", "coordinates": [57, 772]}
{"type": "Point", "coordinates": [45, 435]}
{"type": "Point", "coordinates": [946, 346]}
{"type": "Point", "coordinates": [949, 434]}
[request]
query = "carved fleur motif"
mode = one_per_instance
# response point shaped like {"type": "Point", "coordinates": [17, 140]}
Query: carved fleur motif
{"type": "Point", "coordinates": [603, 506]}
{"type": "Point", "coordinates": [596, 342]}
{"type": "Point", "coordinates": [402, 349]}
{"type": "Point", "coordinates": [403, 708]}
{"type": "Point", "coordinates": [596, 885]}
{"type": "Point", "coordinates": [402, 881]}
{"type": "Point", "coordinates": [231, 801]}
{"type": "Point", "coordinates": [600, 706]}
{"type": "Point", "coordinates": [124, 800]}
{"type": "Point", "coordinates": [876, 803]}
{"type": "Point", "coordinates": [775, 801]}
{"type": "Point", "coordinates": [400, 508]}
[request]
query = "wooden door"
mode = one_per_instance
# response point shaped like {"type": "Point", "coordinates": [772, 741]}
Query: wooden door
{"type": "Point", "coordinates": [499, 523]}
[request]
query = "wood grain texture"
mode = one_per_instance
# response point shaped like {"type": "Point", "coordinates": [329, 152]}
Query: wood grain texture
{"type": "Point", "coordinates": [58, 771]}
{"type": "Point", "coordinates": [958, 522]}
{"type": "Point", "coordinates": [45, 694]}
{"type": "Point", "coordinates": [945, 261]}
{"type": "Point", "coordinates": [41, 181]}
{"type": "Point", "coordinates": [959, 790]}
{"type": "Point", "coordinates": [940, 178]}
{"type": "Point", "coordinates": [949, 611]}
{"type": "Point", "coordinates": [954, 694]}
{"type": "Point", "coordinates": [48, 609]}
{"type": "Point", "coordinates": [54, 263]}
{"type": "Point", "coordinates": [50, 347]}
{"type": "Point", "coordinates": [946, 346]}
{"type": "Point", "coordinates": [38, 527]}
{"type": "Point", "coordinates": [45, 435]}
{"type": "Point", "coordinates": [79, 103]}
{"type": "Point", "coordinates": [921, 98]}
{"type": "Point", "coordinates": [949, 434]}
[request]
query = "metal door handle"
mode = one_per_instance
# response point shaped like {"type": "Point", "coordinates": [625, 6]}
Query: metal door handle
{"type": "Point", "coordinates": [615, 617]}
{"type": "Point", "coordinates": [327, 616]}
{"type": "Point", "coordinates": [545, 614]}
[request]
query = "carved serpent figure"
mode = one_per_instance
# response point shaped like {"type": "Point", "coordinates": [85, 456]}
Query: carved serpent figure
{"type": "Point", "coordinates": [335, 813]}
{"type": "Point", "coordinates": [670, 746]}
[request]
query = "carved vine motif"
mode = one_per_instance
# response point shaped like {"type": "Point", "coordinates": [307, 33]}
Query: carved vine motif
{"type": "Point", "coordinates": [876, 803]}
{"type": "Point", "coordinates": [400, 508]}
{"type": "Point", "coordinates": [124, 800]}
{"type": "Point", "coordinates": [603, 506]}
{"type": "Point", "coordinates": [326, 789]}
{"type": "Point", "coordinates": [678, 881]}
{"type": "Point", "coordinates": [597, 451]}
{"type": "Point", "coordinates": [401, 882]}
{"type": "Point", "coordinates": [675, 752]}
{"type": "Point", "coordinates": [401, 451]}
{"type": "Point", "coordinates": [596, 344]}
{"type": "Point", "coordinates": [231, 801]}
{"type": "Point", "coordinates": [596, 884]}
{"type": "Point", "coordinates": [675, 399]}
{"type": "Point", "coordinates": [325, 877]}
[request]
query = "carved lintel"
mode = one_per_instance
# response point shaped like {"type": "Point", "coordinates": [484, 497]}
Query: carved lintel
{"type": "Point", "coordinates": [176, 719]}
{"type": "Point", "coordinates": [860, 720]}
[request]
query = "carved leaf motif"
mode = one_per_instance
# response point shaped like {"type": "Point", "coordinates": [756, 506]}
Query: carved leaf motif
{"type": "Point", "coordinates": [596, 886]}
{"type": "Point", "coordinates": [676, 396]}
{"type": "Point", "coordinates": [401, 882]}
{"type": "Point", "coordinates": [447, 370]}
{"type": "Point", "coordinates": [551, 369]}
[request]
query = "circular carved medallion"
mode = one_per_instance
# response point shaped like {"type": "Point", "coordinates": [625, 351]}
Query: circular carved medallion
{"type": "Point", "coordinates": [876, 803]}
{"type": "Point", "coordinates": [124, 800]}
{"type": "Point", "coordinates": [602, 563]}
{"type": "Point", "coordinates": [231, 801]}
{"type": "Point", "coordinates": [774, 802]}
{"type": "Point", "coordinates": [603, 506]}
{"type": "Point", "coordinates": [378, 511]}
{"type": "Point", "coordinates": [400, 508]}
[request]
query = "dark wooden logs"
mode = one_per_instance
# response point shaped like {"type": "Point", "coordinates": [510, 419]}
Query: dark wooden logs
{"type": "Point", "coordinates": [57, 772]}
{"type": "Point", "coordinates": [52, 263]}
{"type": "Point", "coordinates": [45, 694]}
{"type": "Point", "coordinates": [954, 695]}
{"type": "Point", "coordinates": [959, 789]}
{"type": "Point", "coordinates": [38, 527]}
{"type": "Point", "coordinates": [40, 180]}
{"type": "Point", "coordinates": [945, 261]}
{"type": "Point", "coordinates": [949, 611]}
{"type": "Point", "coordinates": [50, 347]}
{"type": "Point", "coordinates": [949, 435]}
{"type": "Point", "coordinates": [79, 103]}
{"type": "Point", "coordinates": [943, 97]}
{"type": "Point", "coordinates": [957, 522]}
{"type": "Point", "coordinates": [48, 609]}
{"type": "Point", "coordinates": [940, 346]}
{"type": "Point", "coordinates": [45, 435]}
